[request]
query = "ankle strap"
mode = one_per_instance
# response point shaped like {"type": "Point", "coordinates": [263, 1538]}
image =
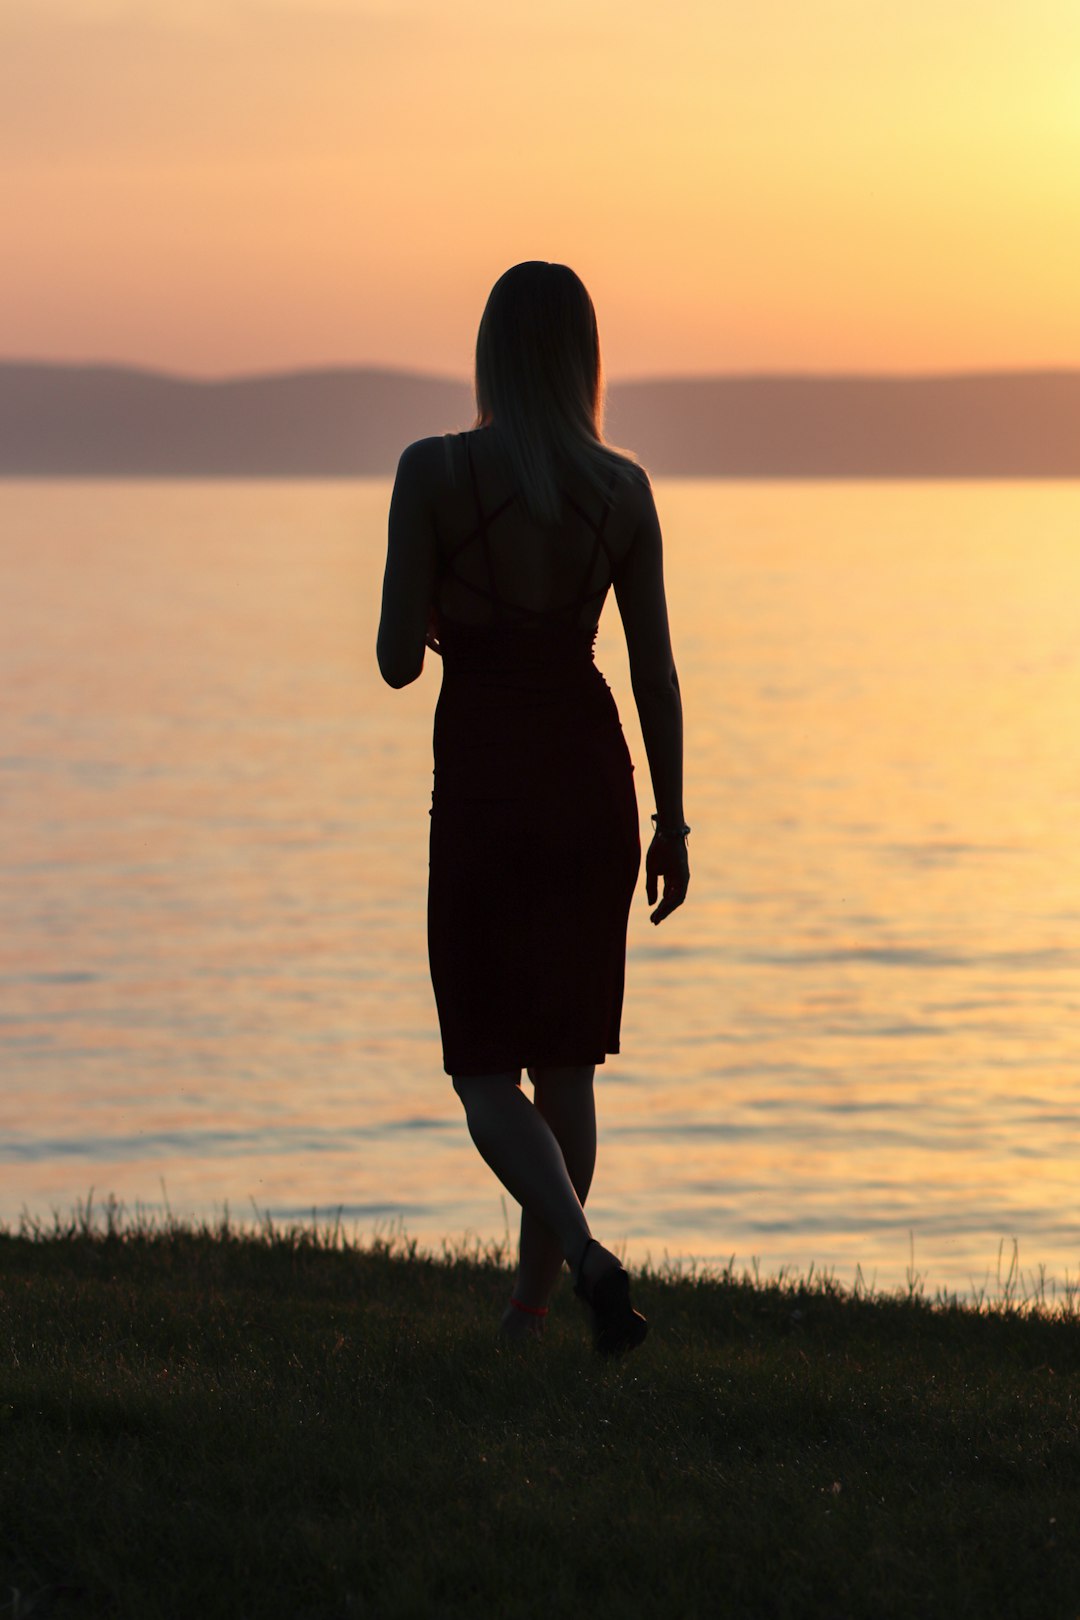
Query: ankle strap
{"type": "Point", "coordinates": [529, 1310]}
{"type": "Point", "coordinates": [580, 1267]}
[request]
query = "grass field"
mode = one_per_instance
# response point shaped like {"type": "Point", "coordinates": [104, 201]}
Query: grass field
{"type": "Point", "coordinates": [205, 1422]}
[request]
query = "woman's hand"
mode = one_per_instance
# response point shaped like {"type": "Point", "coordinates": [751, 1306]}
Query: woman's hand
{"type": "Point", "coordinates": [666, 858]}
{"type": "Point", "coordinates": [432, 638]}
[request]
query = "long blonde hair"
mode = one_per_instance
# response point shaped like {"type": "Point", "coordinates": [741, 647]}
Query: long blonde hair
{"type": "Point", "coordinates": [539, 383]}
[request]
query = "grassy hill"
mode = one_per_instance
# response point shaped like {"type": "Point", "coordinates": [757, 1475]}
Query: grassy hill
{"type": "Point", "coordinates": [207, 1422]}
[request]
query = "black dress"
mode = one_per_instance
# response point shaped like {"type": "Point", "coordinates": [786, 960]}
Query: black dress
{"type": "Point", "coordinates": [534, 827]}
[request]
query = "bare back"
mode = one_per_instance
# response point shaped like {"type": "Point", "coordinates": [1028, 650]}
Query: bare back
{"type": "Point", "coordinates": [498, 565]}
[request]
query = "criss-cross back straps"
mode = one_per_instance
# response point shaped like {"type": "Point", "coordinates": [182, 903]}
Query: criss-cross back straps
{"type": "Point", "coordinates": [598, 544]}
{"type": "Point", "coordinates": [480, 532]}
{"type": "Point", "coordinates": [475, 533]}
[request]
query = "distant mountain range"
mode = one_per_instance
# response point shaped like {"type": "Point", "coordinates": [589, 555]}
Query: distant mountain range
{"type": "Point", "coordinates": [118, 421]}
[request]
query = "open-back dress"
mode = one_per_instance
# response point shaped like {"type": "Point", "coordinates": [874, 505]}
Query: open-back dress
{"type": "Point", "coordinates": [534, 823]}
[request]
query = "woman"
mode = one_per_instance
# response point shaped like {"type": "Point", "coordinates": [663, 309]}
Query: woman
{"type": "Point", "coordinates": [503, 543]}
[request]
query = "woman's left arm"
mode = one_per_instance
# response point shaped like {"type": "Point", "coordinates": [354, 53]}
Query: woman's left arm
{"type": "Point", "coordinates": [411, 566]}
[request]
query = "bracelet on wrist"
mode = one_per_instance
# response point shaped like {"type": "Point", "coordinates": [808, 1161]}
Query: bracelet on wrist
{"type": "Point", "coordinates": [669, 834]}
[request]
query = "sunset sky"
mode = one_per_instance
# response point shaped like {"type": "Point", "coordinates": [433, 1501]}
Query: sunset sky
{"type": "Point", "coordinates": [215, 186]}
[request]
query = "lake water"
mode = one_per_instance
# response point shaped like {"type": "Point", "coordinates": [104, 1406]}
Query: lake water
{"type": "Point", "coordinates": [856, 1045]}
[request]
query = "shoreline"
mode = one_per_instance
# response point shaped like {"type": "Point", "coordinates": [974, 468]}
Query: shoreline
{"type": "Point", "coordinates": [1016, 1292]}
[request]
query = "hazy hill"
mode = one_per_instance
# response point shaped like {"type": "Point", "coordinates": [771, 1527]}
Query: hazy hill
{"type": "Point", "coordinates": [59, 419]}
{"type": "Point", "coordinates": [100, 420]}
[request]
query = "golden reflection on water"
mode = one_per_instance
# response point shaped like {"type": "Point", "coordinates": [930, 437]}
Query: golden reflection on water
{"type": "Point", "coordinates": [856, 1035]}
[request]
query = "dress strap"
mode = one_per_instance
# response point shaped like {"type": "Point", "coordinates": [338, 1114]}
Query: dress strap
{"type": "Point", "coordinates": [568, 610]}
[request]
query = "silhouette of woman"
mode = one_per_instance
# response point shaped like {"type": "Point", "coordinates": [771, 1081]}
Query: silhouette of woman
{"type": "Point", "coordinates": [503, 542]}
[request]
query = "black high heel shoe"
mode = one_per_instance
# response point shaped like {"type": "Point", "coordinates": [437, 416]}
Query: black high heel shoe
{"type": "Point", "coordinates": [617, 1327]}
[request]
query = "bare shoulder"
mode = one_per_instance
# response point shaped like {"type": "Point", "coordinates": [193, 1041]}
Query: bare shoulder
{"type": "Point", "coordinates": [634, 508]}
{"type": "Point", "coordinates": [633, 492]}
{"type": "Point", "coordinates": [422, 462]}
{"type": "Point", "coordinates": [637, 476]}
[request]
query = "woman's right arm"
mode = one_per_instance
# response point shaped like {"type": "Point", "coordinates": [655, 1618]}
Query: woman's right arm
{"type": "Point", "coordinates": [639, 592]}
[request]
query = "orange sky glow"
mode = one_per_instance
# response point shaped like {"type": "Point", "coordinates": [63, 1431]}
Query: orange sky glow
{"type": "Point", "coordinates": [216, 186]}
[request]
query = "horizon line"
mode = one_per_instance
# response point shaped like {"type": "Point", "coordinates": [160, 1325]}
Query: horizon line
{"type": "Point", "coordinates": [630, 378]}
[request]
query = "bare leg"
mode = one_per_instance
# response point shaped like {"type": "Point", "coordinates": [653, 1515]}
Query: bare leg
{"type": "Point", "coordinates": [518, 1143]}
{"type": "Point", "coordinates": [566, 1099]}
{"type": "Point", "coordinates": [516, 1140]}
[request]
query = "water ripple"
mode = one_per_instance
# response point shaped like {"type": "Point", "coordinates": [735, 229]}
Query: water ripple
{"type": "Point", "coordinates": [16, 1149]}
